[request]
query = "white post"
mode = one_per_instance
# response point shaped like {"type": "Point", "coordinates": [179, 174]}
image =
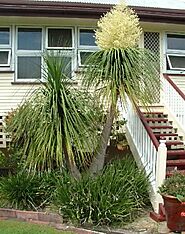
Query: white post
{"type": "Point", "coordinates": [160, 171]}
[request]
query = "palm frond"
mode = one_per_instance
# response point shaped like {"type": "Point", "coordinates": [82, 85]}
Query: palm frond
{"type": "Point", "coordinates": [131, 71]}
{"type": "Point", "coordinates": [55, 116]}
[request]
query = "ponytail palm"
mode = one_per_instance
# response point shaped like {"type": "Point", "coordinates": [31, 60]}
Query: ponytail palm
{"type": "Point", "coordinates": [55, 122]}
{"type": "Point", "coordinates": [119, 69]}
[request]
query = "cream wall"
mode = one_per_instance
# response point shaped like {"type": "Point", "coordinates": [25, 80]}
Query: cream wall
{"type": "Point", "coordinates": [11, 94]}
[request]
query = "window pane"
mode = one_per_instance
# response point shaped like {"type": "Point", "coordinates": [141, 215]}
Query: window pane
{"type": "Point", "coordinates": [4, 36]}
{"type": "Point", "coordinates": [67, 63]}
{"type": "Point", "coordinates": [4, 57]}
{"type": "Point", "coordinates": [87, 37]}
{"type": "Point", "coordinates": [177, 61]}
{"type": "Point", "coordinates": [176, 42]}
{"type": "Point", "coordinates": [84, 55]}
{"type": "Point", "coordinates": [59, 37]}
{"type": "Point", "coordinates": [29, 67]}
{"type": "Point", "coordinates": [29, 39]}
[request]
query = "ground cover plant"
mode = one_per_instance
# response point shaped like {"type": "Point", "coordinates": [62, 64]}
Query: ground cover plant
{"type": "Point", "coordinates": [114, 196]}
{"type": "Point", "coordinates": [27, 191]}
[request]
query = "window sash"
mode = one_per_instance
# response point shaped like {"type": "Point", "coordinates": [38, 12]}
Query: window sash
{"type": "Point", "coordinates": [60, 47]}
{"type": "Point", "coordinates": [8, 57]}
{"type": "Point", "coordinates": [175, 42]}
{"type": "Point", "coordinates": [2, 45]}
{"type": "Point", "coordinates": [170, 63]}
{"type": "Point", "coordinates": [80, 45]}
{"type": "Point", "coordinates": [80, 59]}
{"type": "Point", "coordinates": [34, 67]}
{"type": "Point", "coordinates": [24, 36]}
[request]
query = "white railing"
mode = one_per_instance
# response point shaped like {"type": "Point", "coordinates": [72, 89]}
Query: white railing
{"type": "Point", "coordinates": [174, 100]}
{"type": "Point", "coordinates": [3, 136]}
{"type": "Point", "coordinates": [146, 149]}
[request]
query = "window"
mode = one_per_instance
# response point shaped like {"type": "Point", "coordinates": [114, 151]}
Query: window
{"type": "Point", "coordinates": [29, 39]}
{"type": "Point", "coordinates": [5, 36]}
{"type": "Point", "coordinates": [5, 57]}
{"type": "Point", "coordinates": [29, 67]}
{"type": "Point", "coordinates": [28, 53]}
{"type": "Point", "coordinates": [59, 38]}
{"type": "Point", "coordinates": [82, 56]}
{"type": "Point", "coordinates": [87, 37]}
{"type": "Point", "coordinates": [86, 44]}
{"type": "Point", "coordinates": [175, 52]}
{"type": "Point", "coordinates": [5, 47]}
{"type": "Point", "coordinates": [60, 41]}
{"type": "Point", "coordinates": [72, 43]}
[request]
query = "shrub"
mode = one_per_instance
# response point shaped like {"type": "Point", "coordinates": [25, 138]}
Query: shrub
{"type": "Point", "coordinates": [114, 196]}
{"type": "Point", "coordinates": [26, 191]}
{"type": "Point", "coordinates": [174, 186]}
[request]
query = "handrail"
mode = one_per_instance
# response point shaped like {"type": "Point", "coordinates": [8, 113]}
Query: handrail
{"type": "Point", "coordinates": [166, 76]}
{"type": "Point", "coordinates": [148, 129]}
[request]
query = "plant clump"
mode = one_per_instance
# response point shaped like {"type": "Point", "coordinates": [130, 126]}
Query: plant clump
{"type": "Point", "coordinates": [114, 196]}
{"type": "Point", "coordinates": [119, 28]}
{"type": "Point", "coordinates": [174, 186]}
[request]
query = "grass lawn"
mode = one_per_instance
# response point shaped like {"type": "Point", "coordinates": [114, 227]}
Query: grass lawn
{"type": "Point", "coordinates": [15, 227]}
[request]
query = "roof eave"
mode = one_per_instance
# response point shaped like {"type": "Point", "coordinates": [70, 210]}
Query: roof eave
{"type": "Point", "coordinates": [84, 10]}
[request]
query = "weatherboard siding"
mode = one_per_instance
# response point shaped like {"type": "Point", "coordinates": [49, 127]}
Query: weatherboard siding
{"type": "Point", "coordinates": [179, 81]}
{"type": "Point", "coordinates": [11, 95]}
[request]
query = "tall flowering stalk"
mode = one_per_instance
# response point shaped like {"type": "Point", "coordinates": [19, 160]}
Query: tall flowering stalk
{"type": "Point", "coordinates": [119, 69]}
{"type": "Point", "coordinates": [119, 29]}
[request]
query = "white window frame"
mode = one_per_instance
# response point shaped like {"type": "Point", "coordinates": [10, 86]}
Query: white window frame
{"type": "Point", "coordinates": [173, 52]}
{"type": "Point", "coordinates": [79, 57]}
{"type": "Point", "coordinates": [9, 57]}
{"type": "Point", "coordinates": [7, 47]}
{"type": "Point", "coordinates": [170, 64]}
{"type": "Point", "coordinates": [60, 48]}
{"type": "Point", "coordinates": [28, 53]}
{"type": "Point", "coordinates": [84, 48]}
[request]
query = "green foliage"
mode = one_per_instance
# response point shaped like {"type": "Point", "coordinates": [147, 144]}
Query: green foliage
{"type": "Point", "coordinates": [114, 196]}
{"type": "Point", "coordinates": [131, 71]}
{"type": "Point", "coordinates": [55, 120]}
{"type": "Point", "coordinates": [3, 160]}
{"type": "Point", "coordinates": [25, 191]}
{"type": "Point", "coordinates": [174, 186]}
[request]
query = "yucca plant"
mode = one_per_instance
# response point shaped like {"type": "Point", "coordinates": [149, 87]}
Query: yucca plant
{"type": "Point", "coordinates": [119, 69]}
{"type": "Point", "coordinates": [57, 124]}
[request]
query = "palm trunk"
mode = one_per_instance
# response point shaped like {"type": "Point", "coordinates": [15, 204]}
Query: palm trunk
{"type": "Point", "coordinates": [98, 162]}
{"type": "Point", "coordinates": [71, 165]}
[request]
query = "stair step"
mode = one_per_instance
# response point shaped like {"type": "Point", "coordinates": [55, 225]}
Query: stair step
{"type": "Point", "coordinates": [174, 143]}
{"type": "Point", "coordinates": [162, 127]}
{"type": "Point", "coordinates": [155, 112]}
{"type": "Point", "coordinates": [175, 152]}
{"type": "Point", "coordinates": [158, 135]}
{"type": "Point", "coordinates": [175, 163]}
{"type": "Point", "coordinates": [156, 119]}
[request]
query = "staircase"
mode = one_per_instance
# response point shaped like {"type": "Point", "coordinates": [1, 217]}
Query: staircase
{"type": "Point", "coordinates": [163, 129]}
{"type": "Point", "coordinates": [156, 136]}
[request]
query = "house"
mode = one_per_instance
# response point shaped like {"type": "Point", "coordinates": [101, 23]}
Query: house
{"type": "Point", "coordinates": [30, 27]}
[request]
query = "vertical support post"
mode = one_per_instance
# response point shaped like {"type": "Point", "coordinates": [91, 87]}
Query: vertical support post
{"type": "Point", "coordinates": [160, 171]}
